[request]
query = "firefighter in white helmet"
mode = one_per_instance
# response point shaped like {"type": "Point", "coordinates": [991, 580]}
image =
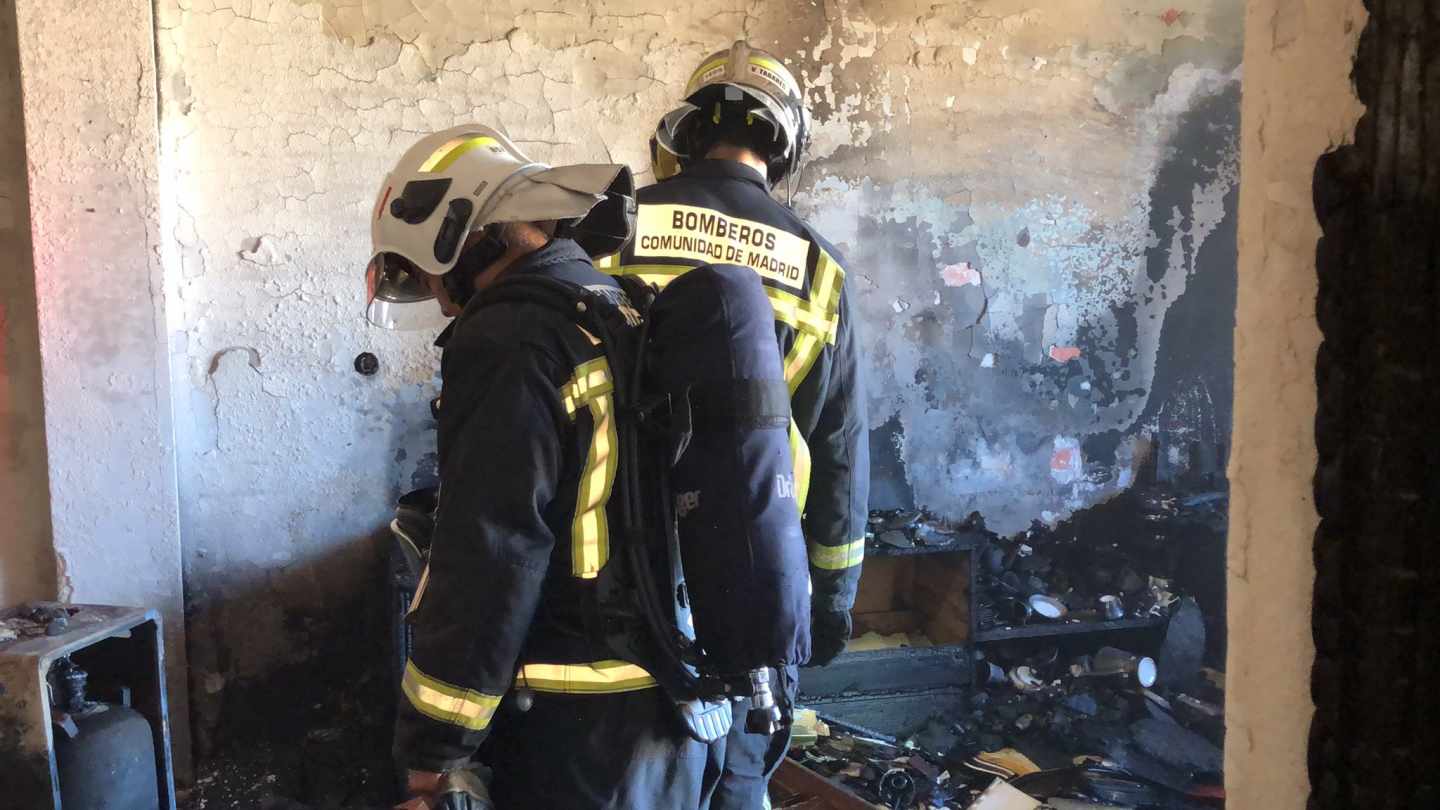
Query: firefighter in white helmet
{"type": "Point", "coordinates": [740, 131]}
{"type": "Point", "coordinates": [502, 670]}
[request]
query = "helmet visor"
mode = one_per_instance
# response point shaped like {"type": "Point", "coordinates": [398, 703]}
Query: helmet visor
{"type": "Point", "coordinates": [398, 298]}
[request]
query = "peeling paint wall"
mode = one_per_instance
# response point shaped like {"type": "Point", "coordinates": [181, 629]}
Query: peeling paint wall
{"type": "Point", "coordinates": [1036, 200]}
{"type": "Point", "coordinates": [27, 560]}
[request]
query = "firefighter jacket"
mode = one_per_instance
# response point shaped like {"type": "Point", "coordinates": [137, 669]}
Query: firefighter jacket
{"type": "Point", "coordinates": [528, 454]}
{"type": "Point", "coordinates": [719, 211]}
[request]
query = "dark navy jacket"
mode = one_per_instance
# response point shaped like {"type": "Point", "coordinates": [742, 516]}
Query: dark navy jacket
{"type": "Point", "coordinates": [719, 211]}
{"type": "Point", "coordinates": [528, 453]}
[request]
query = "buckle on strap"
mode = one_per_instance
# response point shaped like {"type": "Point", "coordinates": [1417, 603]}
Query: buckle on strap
{"type": "Point", "coordinates": [668, 415]}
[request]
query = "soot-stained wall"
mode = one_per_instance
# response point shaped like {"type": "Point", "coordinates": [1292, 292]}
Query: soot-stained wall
{"type": "Point", "coordinates": [1035, 200]}
{"type": "Point", "coordinates": [1044, 252]}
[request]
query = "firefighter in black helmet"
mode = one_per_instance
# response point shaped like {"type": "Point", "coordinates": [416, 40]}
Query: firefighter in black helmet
{"type": "Point", "coordinates": [741, 131]}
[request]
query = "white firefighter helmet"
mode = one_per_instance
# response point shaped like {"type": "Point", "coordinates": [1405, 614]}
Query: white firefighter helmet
{"type": "Point", "coordinates": [453, 183]}
{"type": "Point", "coordinates": [766, 92]}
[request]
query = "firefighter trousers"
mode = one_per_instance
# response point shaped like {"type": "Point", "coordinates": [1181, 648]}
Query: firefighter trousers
{"type": "Point", "coordinates": [621, 751]}
{"type": "Point", "coordinates": [739, 767]}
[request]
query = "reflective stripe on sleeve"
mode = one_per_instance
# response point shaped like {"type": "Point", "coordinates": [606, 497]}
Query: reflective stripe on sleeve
{"type": "Point", "coordinates": [600, 677]}
{"type": "Point", "coordinates": [447, 703]}
{"type": "Point", "coordinates": [800, 457]}
{"type": "Point", "coordinates": [836, 558]}
{"type": "Point", "coordinates": [591, 388]}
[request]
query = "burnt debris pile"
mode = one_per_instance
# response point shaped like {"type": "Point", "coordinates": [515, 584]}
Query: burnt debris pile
{"type": "Point", "coordinates": [1095, 654]}
{"type": "Point", "coordinates": [1134, 570]}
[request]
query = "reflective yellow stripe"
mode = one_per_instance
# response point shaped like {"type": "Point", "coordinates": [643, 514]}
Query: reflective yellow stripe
{"type": "Point", "coordinates": [825, 293]}
{"type": "Point", "coordinates": [768, 64]}
{"type": "Point", "coordinates": [801, 358]}
{"type": "Point", "coordinates": [800, 457]}
{"type": "Point", "coordinates": [801, 314]}
{"type": "Point", "coordinates": [702, 70]}
{"type": "Point", "coordinates": [447, 703]}
{"type": "Point", "coordinates": [835, 558]}
{"type": "Point", "coordinates": [790, 309]}
{"type": "Point", "coordinates": [442, 158]}
{"type": "Point", "coordinates": [825, 302]}
{"type": "Point", "coordinates": [607, 264]}
{"type": "Point", "coordinates": [780, 70]}
{"type": "Point", "coordinates": [591, 380]}
{"type": "Point", "coordinates": [597, 678]}
{"type": "Point", "coordinates": [590, 530]}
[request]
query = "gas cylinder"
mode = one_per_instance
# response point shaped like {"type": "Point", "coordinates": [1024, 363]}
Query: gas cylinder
{"type": "Point", "coordinates": [105, 752]}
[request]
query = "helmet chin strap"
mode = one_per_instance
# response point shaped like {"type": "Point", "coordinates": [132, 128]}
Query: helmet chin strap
{"type": "Point", "coordinates": [792, 180]}
{"type": "Point", "coordinates": [474, 260]}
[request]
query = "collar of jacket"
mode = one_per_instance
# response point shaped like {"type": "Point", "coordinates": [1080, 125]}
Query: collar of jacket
{"type": "Point", "coordinates": [444, 336]}
{"type": "Point", "coordinates": [546, 261]}
{"type": "Point", "coordinates": [555, 252]}
{"type": "Point", "coordinates": [731, 169]}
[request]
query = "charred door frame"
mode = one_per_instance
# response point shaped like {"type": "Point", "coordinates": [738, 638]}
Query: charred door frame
{"type": "Point", "coordinates": [1374, 741]}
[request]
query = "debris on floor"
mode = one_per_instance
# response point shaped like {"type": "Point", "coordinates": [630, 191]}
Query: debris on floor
{"type": "Point", "coordinates": [1036, 577]}
{"type": "Point", "coordinates": [1003, 796]}
{"type": "Point", "coordinates": [1090, 727]}
{"type": "Point", "coordinates": [882, 771]}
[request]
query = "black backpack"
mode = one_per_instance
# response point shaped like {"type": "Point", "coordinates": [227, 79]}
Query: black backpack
{"type": "Point", "coordinates": [708, 583]}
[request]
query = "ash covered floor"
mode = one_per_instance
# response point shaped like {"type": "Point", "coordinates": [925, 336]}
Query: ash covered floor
{"type": "Point", "coordinates": [330, 752]}
{"type": "Point", "coordinates": [1091, 675]}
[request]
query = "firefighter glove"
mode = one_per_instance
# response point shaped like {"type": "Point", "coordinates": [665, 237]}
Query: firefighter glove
{"type": "Point", "coordinates": [829, 630]}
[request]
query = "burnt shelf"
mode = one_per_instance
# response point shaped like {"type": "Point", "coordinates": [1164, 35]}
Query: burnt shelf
{"type": "Point", "coordinates": [1068, 629]}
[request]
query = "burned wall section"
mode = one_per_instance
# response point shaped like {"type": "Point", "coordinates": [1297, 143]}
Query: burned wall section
{"type": "Point", "coordinates": [1047, 313]}
{"type": "Point", "coordinates": [1373, 741]}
